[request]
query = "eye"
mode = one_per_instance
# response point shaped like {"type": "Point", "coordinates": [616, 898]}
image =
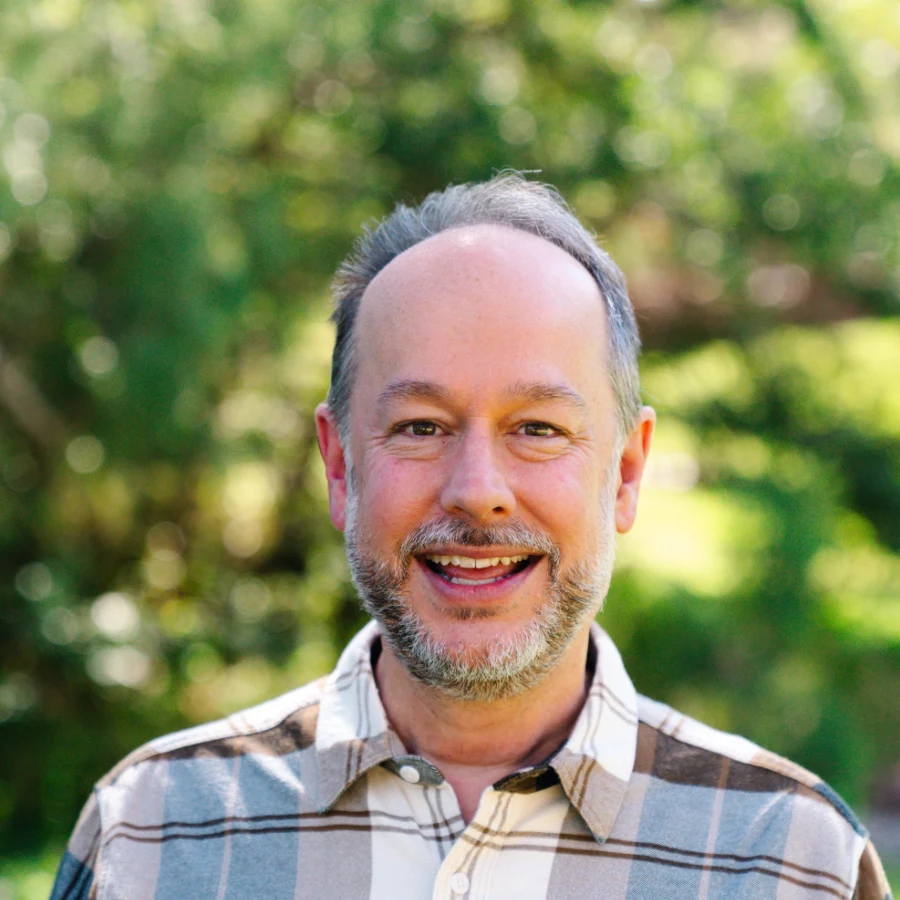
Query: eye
{"type": "Point", "coordinates": [539, 430]}
{"type": "Point", "coordinates": [419, 429]}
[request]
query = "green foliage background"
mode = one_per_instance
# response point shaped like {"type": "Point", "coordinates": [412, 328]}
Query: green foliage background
{"type": "Point", "coordinates": [181, 178]}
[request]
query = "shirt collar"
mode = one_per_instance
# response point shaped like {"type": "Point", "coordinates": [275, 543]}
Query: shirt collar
{"type": "Point", "coordinates": [596, 762]}
{"type": "Point", "coordinates": [593, 766]}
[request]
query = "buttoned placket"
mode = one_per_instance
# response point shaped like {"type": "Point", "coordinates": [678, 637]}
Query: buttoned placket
{"type": "Point", "coordinates": [468, 872]}
{"type": "Point", "coordinates": [508, 850]}
{"type": "Point", "coordinates": [465, 873]}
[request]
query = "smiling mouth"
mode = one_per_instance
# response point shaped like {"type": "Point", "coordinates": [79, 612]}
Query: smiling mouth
{"type": "Point", "coordinates": [471, 570]}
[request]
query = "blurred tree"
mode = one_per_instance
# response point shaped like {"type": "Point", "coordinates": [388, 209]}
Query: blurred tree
{"type": "Point", "coordinates": [183, 177]}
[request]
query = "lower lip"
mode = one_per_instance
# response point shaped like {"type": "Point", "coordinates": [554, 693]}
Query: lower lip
{"type": "Point", "coordinates": [478, 593]}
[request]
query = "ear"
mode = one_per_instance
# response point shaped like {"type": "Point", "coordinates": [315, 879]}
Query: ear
{"type": "Point", "coordinates": [631, 468]}
{"type": "Point", "coordinates": [335, 465]}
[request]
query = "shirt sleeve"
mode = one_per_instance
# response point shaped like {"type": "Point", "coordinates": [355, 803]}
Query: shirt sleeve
{"type": "Point", "coordinates": [76, 875]}
{"type": "Point", "coordinates": [872, 883]}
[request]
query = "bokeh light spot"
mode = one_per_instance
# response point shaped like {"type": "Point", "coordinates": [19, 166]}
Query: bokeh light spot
{"type": "Point", "coordinates": [85, 454]}
{"type": "Point", "coordinates": [34, 581]}
{"type": "Point", "coordinates": [116, 616]}
{"type": "Point", "coordinates": [99, 356]}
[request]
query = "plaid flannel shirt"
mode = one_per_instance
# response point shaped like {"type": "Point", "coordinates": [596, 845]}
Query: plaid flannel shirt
{"type": "Point", "coordinates": [311, 795]}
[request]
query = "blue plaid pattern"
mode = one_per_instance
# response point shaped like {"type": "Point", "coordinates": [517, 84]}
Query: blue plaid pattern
{"type": "Point", "coordinates": [311, 795]}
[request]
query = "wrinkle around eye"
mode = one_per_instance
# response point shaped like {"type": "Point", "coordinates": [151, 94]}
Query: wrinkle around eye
{"type": "Point", "coordinates": [539, 447]}
{"type": "Point", "coordinates": [401, 441]}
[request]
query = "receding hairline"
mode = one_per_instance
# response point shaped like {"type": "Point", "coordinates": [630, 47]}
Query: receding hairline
{"type": "Point", "coordinates": [457, 232]}
{"type": "Point", "coordinates": [455, 235]}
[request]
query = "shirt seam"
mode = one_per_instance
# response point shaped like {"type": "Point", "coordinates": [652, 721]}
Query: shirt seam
{"type": "Point", "coordinates": [149, 754]}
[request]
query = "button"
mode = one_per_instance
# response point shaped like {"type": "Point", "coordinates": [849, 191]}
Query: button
{"type": "Point", "coordinates": [410, 774]}
{"type": "Point", "coordinates": [459, 883]}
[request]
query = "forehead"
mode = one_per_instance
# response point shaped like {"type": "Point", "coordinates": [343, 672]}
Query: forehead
{"type": "Point", "coordinates": [482, 306]}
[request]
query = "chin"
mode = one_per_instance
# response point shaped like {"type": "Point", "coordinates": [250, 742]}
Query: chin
{"type": "Point", "coordinates": [482, 668]}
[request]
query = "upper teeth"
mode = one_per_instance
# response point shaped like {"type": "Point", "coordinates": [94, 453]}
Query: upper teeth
{"type": "Point", "coordinates": [470, 562]}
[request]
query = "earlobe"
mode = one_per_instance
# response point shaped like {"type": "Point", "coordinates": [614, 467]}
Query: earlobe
{"type": "Point", "coordinates": [335, 465]}
{"type": "Point", "coordinates": [631, 468]}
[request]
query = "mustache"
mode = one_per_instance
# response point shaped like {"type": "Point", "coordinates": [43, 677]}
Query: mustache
{"type": "Point", "coordinates": [432, 535]}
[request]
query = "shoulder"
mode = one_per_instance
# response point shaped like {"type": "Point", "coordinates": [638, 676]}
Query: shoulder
{"type": "Point", "coordinates": [206, 767]}
{"type": "Point", "coordinates": [277, 727]}
{"type": "Point", "coordinates": [768, 806]}
{"type": "Point", "coordinates": [699, 796]}
{"type": "Point", "coordinates": [185, 780]}
{"type": "Point", "coordinates": [679, 748]}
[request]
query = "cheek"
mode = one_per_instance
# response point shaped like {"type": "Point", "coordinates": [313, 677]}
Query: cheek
{"type": "Point", "coordinates": [397, 496]}
{"type": "Point", "coordinates": [565, 499]}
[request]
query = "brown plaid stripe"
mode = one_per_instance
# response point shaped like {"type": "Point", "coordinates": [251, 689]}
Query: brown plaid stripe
{"type": "Point", "coordinates": [304, 797]}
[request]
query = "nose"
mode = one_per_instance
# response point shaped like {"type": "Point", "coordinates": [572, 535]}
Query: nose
{"type": "Point", "coordinates": [476, 485]}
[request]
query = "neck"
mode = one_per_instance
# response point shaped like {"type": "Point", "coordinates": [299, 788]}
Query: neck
{"type": "Point", "coordinates": [474, 744]}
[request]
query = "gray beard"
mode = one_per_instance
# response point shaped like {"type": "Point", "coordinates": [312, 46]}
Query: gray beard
{"type": "Point", "coordinates": [512, 665]}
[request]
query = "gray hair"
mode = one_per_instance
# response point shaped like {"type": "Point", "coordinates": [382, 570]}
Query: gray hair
{"type": "Point", "coordinates": [507, 199]}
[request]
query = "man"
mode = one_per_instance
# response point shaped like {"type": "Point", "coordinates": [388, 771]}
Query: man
{"type": "Point", "coordinates": [483, 440]}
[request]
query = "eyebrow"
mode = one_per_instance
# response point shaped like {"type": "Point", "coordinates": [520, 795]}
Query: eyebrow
{"type": "Point", "coordinates": [542, 392]}
{"type": "Point", "coordinates": [533, 391]}
{"type": "Point", "coordinates": [409, 389]}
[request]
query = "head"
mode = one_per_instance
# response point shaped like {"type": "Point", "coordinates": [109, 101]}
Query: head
{"type": "Point", "coordinates": [507, 200]}
{"type": "Point", "coordinates": [483, 438]}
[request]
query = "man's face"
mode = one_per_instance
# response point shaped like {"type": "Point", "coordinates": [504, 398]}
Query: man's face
{"type": "Point", "coordinates": [486, 483]}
